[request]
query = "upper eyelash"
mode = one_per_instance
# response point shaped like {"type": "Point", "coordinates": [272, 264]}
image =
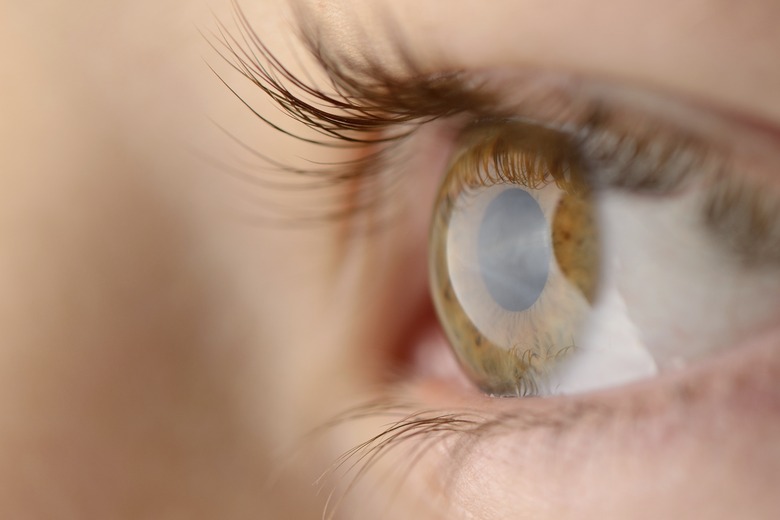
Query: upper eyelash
{"type": "Point", "coordinates": [368, 107]}
{"type": "Point", "coordinates": [353, 107]}
{"type": "Point", "coordinates": [343, 118]}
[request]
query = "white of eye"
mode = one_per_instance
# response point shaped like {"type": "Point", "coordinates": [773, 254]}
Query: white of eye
{"type": "Point", "coordinates": [670, 295]}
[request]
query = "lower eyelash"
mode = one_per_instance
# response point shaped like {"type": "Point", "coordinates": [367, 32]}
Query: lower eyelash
{"type": "Point", "coordinates": [411, 430]}
{"type": "Point", "coordinates": [414, 429]}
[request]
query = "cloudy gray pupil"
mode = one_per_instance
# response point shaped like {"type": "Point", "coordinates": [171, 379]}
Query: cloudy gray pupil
{"type": "Point", "coordinates": [514, 249]}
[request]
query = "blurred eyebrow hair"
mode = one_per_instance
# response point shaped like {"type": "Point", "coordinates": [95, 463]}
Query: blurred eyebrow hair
{"type": "Point", "coordinates": [361, 95]}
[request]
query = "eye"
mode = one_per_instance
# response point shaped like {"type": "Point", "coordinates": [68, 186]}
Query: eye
{"type": "Point", "coordinates": [557, 258]}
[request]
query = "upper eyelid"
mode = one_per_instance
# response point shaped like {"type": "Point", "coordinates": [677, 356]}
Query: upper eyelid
{"type": "Point", "coordinates": [371, 106]}
{"type": "Point", "coordinates": [369, 103]}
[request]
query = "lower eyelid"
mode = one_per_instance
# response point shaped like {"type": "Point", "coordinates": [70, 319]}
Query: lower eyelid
{"type": "Point", "coordinates": [696, 410]}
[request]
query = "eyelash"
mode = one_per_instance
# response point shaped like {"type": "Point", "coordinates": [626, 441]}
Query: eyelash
{"type": "Point", "coordinates": [407, 424]}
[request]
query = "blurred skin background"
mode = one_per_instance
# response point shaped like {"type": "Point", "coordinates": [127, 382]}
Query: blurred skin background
{"type": "Point", "coordinates": [164, 350]}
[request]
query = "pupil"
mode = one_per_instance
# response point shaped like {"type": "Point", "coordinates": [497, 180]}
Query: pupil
{"type": "Point", "coordinates": [514, 249]}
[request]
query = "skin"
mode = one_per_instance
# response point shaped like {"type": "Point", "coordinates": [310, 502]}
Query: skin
{"type": "Point", "coordinates": [153, 361]}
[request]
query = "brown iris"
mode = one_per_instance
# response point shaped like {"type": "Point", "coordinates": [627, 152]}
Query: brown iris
{"type": "Point", "coordinates": [514, 254]}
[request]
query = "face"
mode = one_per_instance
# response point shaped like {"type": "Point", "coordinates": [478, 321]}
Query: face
{"type": "Point", "coordinates": [254, 261]}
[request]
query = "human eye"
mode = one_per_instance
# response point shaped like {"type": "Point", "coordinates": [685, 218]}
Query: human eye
{"type": "Point", "coordinates": [552, 203]}
{"type": "Point", "coordinates": [542, 236]}
{"type": "Point", "coordinates": [653, 217]}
